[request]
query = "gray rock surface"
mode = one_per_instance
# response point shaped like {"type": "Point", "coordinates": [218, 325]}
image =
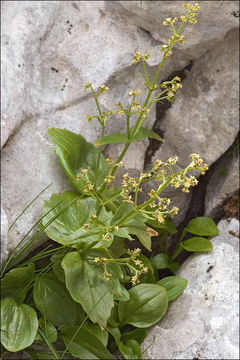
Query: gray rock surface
{"type": "Point", "coordinates": [4, 235]}
{"type": "Point", "coordinates": [149, 15]}
{"type": "Point", "coordinates": [223, 183]}
{"type": "Point", "coordinates": [202, 117]}
{"type": "Point", "coordinates": [51, 48]}
{"type": "Point", "coordinates": [203, 322]}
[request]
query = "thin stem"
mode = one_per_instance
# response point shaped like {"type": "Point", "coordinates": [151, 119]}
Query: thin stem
{"type": "Point", "coordinates": [177, 252]}
{"type": "Point", "coordinates": [141, 118]}
{"type": "Point", "coordinates": [49, 344]}
{"type": "Point", "coordinates": [14, 222]}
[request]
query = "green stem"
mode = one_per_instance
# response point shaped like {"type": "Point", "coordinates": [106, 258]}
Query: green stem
{"type": "Point", "coordinates": [28, 206]}
{"type": "Point", "coordinates": [177, 252]}
{"type": "Point", "coordinates": [49, 344]}
{"type": "Point", "coordinates": [140, 118]}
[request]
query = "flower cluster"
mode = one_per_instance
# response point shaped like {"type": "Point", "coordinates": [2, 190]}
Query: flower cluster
{"type": "Point", "coordinates": [192, 9]}
{"type": "Point", "coordinates": [157, 207]}
{"type": "Point", "coordinates": [113, 164]}
{"type": "Point", "coordinates": [197, 164]}
{"type": "Point", "coordinates": [106, 232]}
{"type": "Point", "coordinates": [170, 88]}
{"type": "Point", "coordinates": [138, 57]}
{"type": "Point", "coordinates": [138, 268]}
{"type": "Point", "coordinates": [134, 264]}
{"type": "Point", "coordinates": [121, 111]}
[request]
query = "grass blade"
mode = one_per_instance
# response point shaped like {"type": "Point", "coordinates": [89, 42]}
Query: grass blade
{"type": "Point", "coordinates": [14, 222]}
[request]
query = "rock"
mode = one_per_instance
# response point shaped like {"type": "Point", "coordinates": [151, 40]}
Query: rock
{"type": "Point", "coordinates": [202, 115]}
{"type": "Point", "coordinates": [148, 16]}
{"type": "Point", "coordinates": [223, 184]}
{"type": "Point", "coordinates": [4, 235]}
{"type": "Point", "coordinates": [51, 76]}
{"type": "Point", "coordinates": [50, 49]}
{"type": "Point", "coordinates": [202, 323]}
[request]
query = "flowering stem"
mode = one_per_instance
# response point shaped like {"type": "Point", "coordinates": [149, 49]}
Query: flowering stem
{"type": "Point", "coordinates": [141, 118]}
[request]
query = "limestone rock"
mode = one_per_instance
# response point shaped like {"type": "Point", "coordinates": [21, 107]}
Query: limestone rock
{"type": "Point", "coordinates": [50, 49]}
{"type": "Point", "coordinates": [4, 235]}
{"type": "Point", "coordinates": [53, 69]}
{"type": "Point", "coordinates": [223, 184]}
{"type": "Point", "coordinates": [203, 322]}
{"type": "Point", "coordinates": [204, 116]}
{"type": "Point", "coordinates": [148, 16]}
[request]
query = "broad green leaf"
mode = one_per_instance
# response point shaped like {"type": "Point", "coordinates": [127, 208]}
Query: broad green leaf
{"type": "Point", "coordinates": [115, 332]}
{"type": "Point", "coordinates": [40, 354]}
{"type": "Point", "coordinates": [121, 210]}
{"type": "Point", "coordinates": [95, 330]}
{"type": "Point", "coordinates": [162, 261]}
{"type": "Point", "coordinates": [166, 225]}
{"type": "Point", "coordinates": [121, 294]}
{"type": "Point", "coordinates": [75, 154]}
{"type": "Point", "coordinates": [144, 133]}
{"type": "Point", "coordinates": [130, 349]}
{"type": "Point", "coordinates": [143, 232]}
{"type": "Point", "coordinates": [67, 227]}
{"type": "Point", "coordinates": [86, 284]}
{"type": "Point", "coordinates": [117, 249]}
{"type": "Point", "coordinates": [113, 192]}
{"type": "Point", "coordinates": [138, 334]}
{"type": "Point", "coordinates": [16, 282]}
{"type": "Point", "coordinates": [203, 226]}
{"type": "Point", "coordinates": [114, 319]}
{"type": "Point", "coordinates": [49, 329]}
{"type": "Point", "coordinates": [56, 260]}
{"type": "Point", "coordinates": [83, 345]}
{"type": "Point", "coordinates": [53, 300]}
{"type": "Point", "coordinates": [19, 325]}
{"type": "Point", "coordinates": [147, 305]}
{"type": "Point", "coordinates": [148, 277]}
{"type": "Point", "coordinates": [174, 286]}
{"type": "Point", "coordinates": [114, 138]}
{"type": "Point", "coordinates": [170, 225]}
{"type": "Point", "coordinates": [197, 244]}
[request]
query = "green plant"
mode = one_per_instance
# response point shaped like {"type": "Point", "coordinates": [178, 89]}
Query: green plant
{"type": "Point", "coordinates": [94, 293]}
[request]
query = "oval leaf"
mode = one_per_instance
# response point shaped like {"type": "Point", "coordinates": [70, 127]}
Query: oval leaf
{"type": "Point", "coordinates": [75, 154]}
{"type": "Point", "coordinates": [197, 244]}
{"type": "Point", "coordinates": [87, 286]}
{"type": "Point", "coordinates": [95, 330]}
{"type": "Point", "coordinates": [130, 349]}
{"type": "Point", "coordinates": [174, 286]}
{"type": "Point", "coordinates": [83, 345]}
{"type": "Point", "coordinates": [138, 228]}
{"type": "Point", "coordinates": [138, 334]}
{"type": "Point", "coordinates": [115, 138]}
{"type": "Point", "coordinates": [19, 325]}
{"type": "Point", "coordinates": [147, 305]}
{"type": "Point", "coordinates": [66, 228]}
{"type": "Point", "coordinates": [53, 300]}
{"type": "Point", "coordinates": [16, 282]}
{"type": "Point", "coordinates": [115, 332]}
{"type": "Point", "coordinates": [203, 226]}
{"type": "Point", "coordinates": [162, 261]}
{"type": "Point", "coordinates": [49, 329]}
{"type": "Point", "coordinates": [144, 133]}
